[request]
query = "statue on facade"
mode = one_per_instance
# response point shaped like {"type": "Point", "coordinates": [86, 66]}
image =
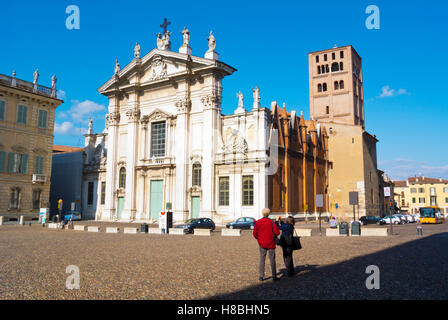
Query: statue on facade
{"type": "Point", "coordinates": [186, 36]}
{"type": "Point", "coordinates": [36, 76]}
{"type": "Point", "coordinates": [53, 81]}
{"type": "Point", "coordinates": [117, 66]}
{"type": "Point", "coordinates": [256, 95]}
{"type": "Point", "coordinates": [240, 100]}
{"type": "Point", "coordinates": [90, 130]}
{"type": "Point", "coordinates": [211, 42]}
{"type": "Point", "coordinates": [137, 51]}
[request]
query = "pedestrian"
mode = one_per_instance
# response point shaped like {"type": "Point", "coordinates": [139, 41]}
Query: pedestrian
{"type": "Point", "coordinates": [265, 230]}
{"type": "Point", "coordinates": [287, 229]}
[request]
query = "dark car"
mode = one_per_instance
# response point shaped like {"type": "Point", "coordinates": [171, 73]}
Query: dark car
{"type": "Point", "coordinates": [371, 220]}
{"type": "Point", "coordinates": [197, 223]}
{"type": "Point", "coordinates": [242, 223]}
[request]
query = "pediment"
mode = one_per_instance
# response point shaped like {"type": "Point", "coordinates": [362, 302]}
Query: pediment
{"type": "Point", "coordinates": [160, 65]}
{"type": "Point", "coordinates": [156, 115]}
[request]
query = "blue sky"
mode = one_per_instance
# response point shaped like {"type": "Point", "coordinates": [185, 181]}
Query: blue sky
{"type": "Point", "coordinates": [268, 42]}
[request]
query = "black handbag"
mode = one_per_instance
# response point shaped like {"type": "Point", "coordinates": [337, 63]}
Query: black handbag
{"type": "Point", "coordinates": [276, 239]}
{"type": "Point", "coordinates": [296, 245]}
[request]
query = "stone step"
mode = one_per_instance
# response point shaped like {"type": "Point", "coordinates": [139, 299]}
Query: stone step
{"type": "Point", "coordinates": [201, 232]}
{"type": "Point", "coordinates": [79, 227]}
{"type": "Point", "coordinates": [176, 231]}
{"type": "Point", "coordinates": [112, 230]}
{"type": "Point", "coordinates": [230, 232]}
{"type": "Point", "coordinates": [93, 229]}
{"type": "Point", "coordinates": [374, 232]}
{"type": "Point", "coordinates": [301, 232]}
{"type": "Point", "coordinates": [155, 231]}
{"type": "Point", "coordinates": [130, 230]}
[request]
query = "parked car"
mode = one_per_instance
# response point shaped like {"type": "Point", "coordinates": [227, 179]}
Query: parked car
{"type": "Point", "coordinates": [370, 220]}
{"type": "Point", "coordinates": [74, 215]}
{"type": "Point", "coordinates": [394, 219]}
{"type": "Point", "coordinates": [242, 223]}
{"type": "Point", "coordinates": [197, 223]}
{"type": "Point", "coordinates": [410, 218]}
{"type": "Point", "coordinates": [402, 218]}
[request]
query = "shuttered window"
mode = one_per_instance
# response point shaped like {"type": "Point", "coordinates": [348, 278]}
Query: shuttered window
{"type": "Point", "coordinates": [39, 165]}
{"type": "Point", "coordinates": [2, 161]}
{"type": "Point", "coordinates": [2, 110]}
{"type": "Point", "coordinates": [22, 114]}
{"type": "Point", "coordinates": [224, 191]}
{"type": "Point", "coordinates": [42, 119]}
{"type": "Point", "coordinates": [248, 191]}
{"type": "Point", "coordinates": [17, 163]}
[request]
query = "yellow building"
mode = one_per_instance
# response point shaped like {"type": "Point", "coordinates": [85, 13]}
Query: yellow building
{"type": "Point", "coordinates": [27, 112]}
{"type": "Point", "coordinates": [336, 100]}
{"type": "Point", "coordinates": [417, 192]}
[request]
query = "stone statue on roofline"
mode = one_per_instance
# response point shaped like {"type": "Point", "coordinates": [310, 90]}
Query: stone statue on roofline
{"type": "Point", "coordinates": [117, 67]}
{"type": "Point", "coordinates": [137, 51]}
{"type": "Point", "coordinates": [211, 42]}
{"type": "Point", "coordinates": [186, 36]}
{"type": "Point", "coordinates": [36, 76]}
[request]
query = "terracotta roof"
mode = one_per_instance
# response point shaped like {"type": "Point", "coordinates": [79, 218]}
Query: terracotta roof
{"type": "Point", "coordinates": [424, 179]}
{"type": "Point", "coordinates": [400, 183]}
{"type": "Point", "coordinates": [65, 149]}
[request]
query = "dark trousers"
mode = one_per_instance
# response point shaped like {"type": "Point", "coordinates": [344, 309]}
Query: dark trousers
{"type": "Point", "coordinates": [287, 257]}
{"type": "Point", "coordinates": [263, 252]}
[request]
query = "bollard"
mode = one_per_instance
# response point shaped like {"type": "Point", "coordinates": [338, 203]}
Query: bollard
{"type": "Point", "coordinates": [419, 230]}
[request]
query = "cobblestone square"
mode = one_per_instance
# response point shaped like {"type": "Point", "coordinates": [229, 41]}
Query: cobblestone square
{"type": "Point", "coordinates": [33, 262]}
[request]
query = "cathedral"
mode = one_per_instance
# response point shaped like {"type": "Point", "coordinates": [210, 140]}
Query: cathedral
{"type": "Point", "coordinates": [168, 146]}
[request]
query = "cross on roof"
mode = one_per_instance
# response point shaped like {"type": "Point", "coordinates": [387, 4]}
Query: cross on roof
{"type": "Point", "coordinates": [165, 24]}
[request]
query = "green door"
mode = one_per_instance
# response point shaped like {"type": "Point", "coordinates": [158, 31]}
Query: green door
{"type": "Point", "coordinates": [195, 206]}
{"type": "Point", "coordinates": [156, 198]}
{"type": "Point", "coordinates": [120, 207]}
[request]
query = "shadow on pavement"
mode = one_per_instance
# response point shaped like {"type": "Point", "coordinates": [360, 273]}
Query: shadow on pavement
{"type": "Point", "coordinates": [414, 270]}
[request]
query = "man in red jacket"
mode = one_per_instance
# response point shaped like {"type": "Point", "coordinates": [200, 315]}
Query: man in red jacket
{"type": "Point", "coordinates": [264, 231]}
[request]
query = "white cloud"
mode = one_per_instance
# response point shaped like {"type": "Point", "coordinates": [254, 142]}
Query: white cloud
{"type": "Point", "coordinates": [401, 169]}
{"type": "Point", "coordinates": [81, 111]}
{"type": "Point", "coordinates": [61, 94]}
{"type": "Point", "coordinates": [67, 128]}
{"type": "Point", "coordinates": [386, 92]}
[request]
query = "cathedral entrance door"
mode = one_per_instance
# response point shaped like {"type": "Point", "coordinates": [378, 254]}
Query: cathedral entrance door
{"type": "Point", "coordinates": [195, 206]}
{"type": "Point", "coordinates": [120, 207]}
{"type": "Point", "coordinates": [156, 198]}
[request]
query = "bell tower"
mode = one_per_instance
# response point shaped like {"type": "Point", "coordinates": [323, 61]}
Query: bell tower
{"type": "Point", "coordinates": [336, 87]}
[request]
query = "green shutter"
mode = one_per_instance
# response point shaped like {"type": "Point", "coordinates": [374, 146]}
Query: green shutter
{"type": "Point", "coordinates": [25, 114]}
{"type": "Point", "coordinates": [2, 110]}
{"type": "Point", "coordinates": [19, 114]}
{"type": "Point", "coordinates": [44, 120]}
{"type": "Point", "coordinates": [25, 163]}
{"type": "Point", "coordinates": [2, 161]}
{"type": "Point", "coordinates": [11, 162]}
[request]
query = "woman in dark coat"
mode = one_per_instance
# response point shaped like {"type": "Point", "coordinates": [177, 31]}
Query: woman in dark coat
{"type": "Point", "coordinates": [287, 229]}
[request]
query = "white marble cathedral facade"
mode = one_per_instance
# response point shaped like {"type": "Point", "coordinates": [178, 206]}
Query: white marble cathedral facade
{"type": "Point", "coordinates": [168, 142]}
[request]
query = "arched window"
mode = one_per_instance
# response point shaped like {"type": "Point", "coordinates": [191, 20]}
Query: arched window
{"type": "Point", "coordinates": [336, 85]}
{"type": "Point", "coordinates": [196, 174]}
{"type": "Point", "coordinates": [327, 69]}
{"type": "Point", "coordinates": [334, 67]}
{"type": "Point", "coordinates": [319, 87]}
{"type": "Point", "coordinates": [122, 179]}
{"type": "Point", "coordinates": [318, 69]}
{"type": "Point", "coordinates": [341, 66]}
{"type": "Point", "coordinates": [324, 87]}
{"type": "Point", "coordinates": [327, 110]}
{"type": "Point", "coordinates": [341, 84]}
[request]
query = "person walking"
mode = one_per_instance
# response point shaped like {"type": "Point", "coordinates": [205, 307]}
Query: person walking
{"type": "Point", "coordinates": [264, 231]}
{"type": "Point", "coordinates": [287, 229]}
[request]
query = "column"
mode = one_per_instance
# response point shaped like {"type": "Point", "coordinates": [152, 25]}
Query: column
{"type": "Point", "coordinates": [133, 115]}
{"type": "Point", "coordinates": [181, 153]}
{"type": "Point", "coordinates": [113, 120]}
